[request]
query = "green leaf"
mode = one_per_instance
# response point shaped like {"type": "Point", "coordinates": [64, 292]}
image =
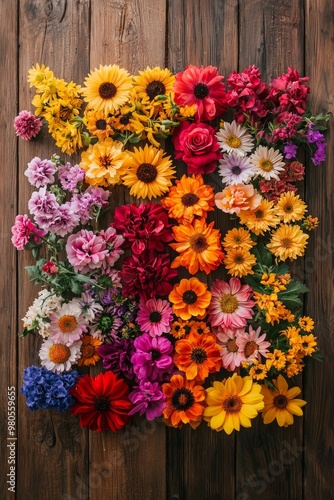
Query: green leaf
{"type": "Point", "coordinates": [292, 301]}
{"type": "Point", "coordinates": [254, 284]}
{"type": "Point", "coordinates": [262, 254]}
{"type": "Point", "coordinates": [76, 287]}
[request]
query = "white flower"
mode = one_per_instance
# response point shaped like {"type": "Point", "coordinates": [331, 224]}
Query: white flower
{"type": "Point", "coordinates": [267, 162]}
{"type": "Point", "coordinates": [234, 137]}
{"type": "Point", "coordinates": [58, 357]}
{"type": "Point", "coordinates": [43, 306]}
{"type": "Point", "coordinates": [235, 169]}
{"type": "Point", "coordinates": [68, 323]}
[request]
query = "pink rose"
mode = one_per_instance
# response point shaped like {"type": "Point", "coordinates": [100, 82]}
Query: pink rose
{"type": "Point", "coordinates": [23, 230]}
{"type": "Point", "coordinates": [86, 251]}
{"type": "Point", "coordinates": [197, 145]}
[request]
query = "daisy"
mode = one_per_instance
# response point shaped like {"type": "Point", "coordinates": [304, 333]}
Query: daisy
{"type": "Point", "coordinates": [261, 219]}
{"type": "Point", "coordinates": [190, 298]}
{"type": "Point", "coordinates": [149, 172]}
{"type": "Point", "coordinates": [67, 324]}
{"type": "Point", "coordinates": [239, 262]}
{"type": "Point", "coordinates": [99, 124]}
{"type": "Point", "coordinates": [155, 316]}
{"type": "Point", "coordinates": [267, 162]}
{"type": "Point", "coordinates": [238, 238]}
{"type": "Point", "coordinates": [107, 88]}
{"type": "Point", "coordinates": [290, 207]}
{"type": "Point", "coordinates": [153, 82]}
{"type": "Point", "coordinates": [59, 357]}
{"type": "Point", "coordinates": [231, 354]}
{"type": "Point", "coordinates": [235, 138]}
{"type": "Point", "coordinates": [89, 351]}
{"type": "Point", "coordinates": [252, 344]}
{"type": "Point", "coordinates": [235, 169]}
{"type": "Point", "coordinates": [288, 242]}
{"type": "Point", "coordinates": [230, 305]}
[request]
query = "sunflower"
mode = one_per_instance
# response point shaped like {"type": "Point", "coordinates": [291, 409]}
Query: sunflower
{"type": "Point", "coordinates": [288, 242]}
{"type": "Point", "coordinates": [261, 219]}
{"type": "Point", "coordinates": [190, 298]}
{"type": "Point", "coordinates": [89, 354]}
{"type": "Point", "coordinates": [149, 172]}
{"type": "Point", "coordinates": [281, 403]}
{"type": "Point", "coordinates": [99, 124]}
{"type": "Point", "coordinates": [198, 355]}
{"type": "Point", "coordinates": [235, 138]}
{"type": "Point", "coordinates": [267, 163]}
{"type": "Point", "coordinates": [184, 402]}
{"type": "Point", "coordinates": [238, 238]}
{"type": "Point", "coordinates": [232, 402]}
{"type": "Point", "coordinates": [107, 88]}
{"type": "Point", "coordinates": [189, 197]}
{"type": "Point", "coordinates": [306, 323]}
{"type": "Point", "coordinates": [239, 262]}
{"type": "Point", "coordinates": [153, 82]}
{"type": "Point", "coordinates": [290, 207]}
{"type": "Point", "coordinates": [199, 246]}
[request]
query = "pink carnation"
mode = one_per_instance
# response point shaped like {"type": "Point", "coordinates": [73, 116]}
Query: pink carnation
{"type": "Point", "coordinates": [27, 125]}
{"type": "Point", "coordinates": [23, 230]}
{"type": "Point", "coordinates": [86, 251]}
{"type": "Point", "coordinates": [113, 242]}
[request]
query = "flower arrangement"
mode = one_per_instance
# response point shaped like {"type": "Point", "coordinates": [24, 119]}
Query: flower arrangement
{"type": "Point", "coordinates": [122, 289]}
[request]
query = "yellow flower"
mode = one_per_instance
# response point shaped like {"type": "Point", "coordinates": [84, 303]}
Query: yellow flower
{"type": "Point", "coordinates": [232, 402]}
{"type": "Point", "coordinates": [99, 124]}
{"type": "Point", "coordinates": [281, 403]}
{"type": "Point", "coordinates": [258, 371]}
{"type": "Point", "coordinates": [153, 82]}
{"type": "Point", "coordinates": [238, 238]}
{"type": "Point", "coordinates": [306, 323]}
{"type": "Point", "coordinates": [89, 351]}
{"type": "Point", "coordinates": [308, 344]}
{"type": "Point", "coordinates": [290, 207]}
{"type": "Point", "coordinates": [276, 359]}
{"type": "Point", "coordinates": [288, 242]}
{"type": "Point", "coordinates": [103, 163]}
{"type": "Point", "coordinates": [39, 75]}
{"type": "Point", "coordinates": [239, 262]}
{"type": "Point", "coordinates": [261, 219]}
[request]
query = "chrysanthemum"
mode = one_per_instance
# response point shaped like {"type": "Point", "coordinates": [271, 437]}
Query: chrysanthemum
{"type": "Point", "coordinates": [102, 402]}
{"type": "Point", "coordinates": [99, 124]}
{"type": "Point", "coordinates": [149, 172]}
{"type": "Point", "coordinates": [261, 219]}
{"type": "Point", "coordinates": [238, 238]}
{"type": "Point", "coordinates": [27, 125]}
{"type": "Point", "coordinates": [199, 246]}
{"type": "Point", "coordinates": [235, 169]}
{"type": "Point", "coordinates": [199, 327]}
{"type": "Point", "coordinates": [290, 207]}
{"type": "Point", "coordinates": [59, 357]}
{"type": "Point", "coordinates": [281, 403]}
{"type": "Point", "coordinates": [230, 305]}
{"type": "Point", "coordinates": [198, 355]}
{"type": "Point", "coordinates": [155, 316]}
{"type": "Point", "coordinates": [117, 356]}
{"type": "Point", "coordinates": [67, 323]}
{"type": "Point", "coordinates": [184, 402]}
{"type": "Point", "coordinates": [190, 298]}
{"type": "Point", "coordinates": [267, 162]}
{"type": "Point", "coordinates": [231, 355]}
{"type": "Point", "coordinates": [252, 344]}
{"type": "Point", "coordinates": [107, 88]}
{"type": "Point", "coordinates": [258, 371]}
{"type": "Point", "coordinates": [189, 197]}
{"type": "Point", "coordinates": [153, 82]}
{"type": "Point", "coordinates": [235, 138]}
{"type": "Point", "coordinates": [89, 351]}
{"type": "Point", "coordinates": [179, 329]}
{"type": "Point", "coordinates": [239, 262]}
{"type": "Point", "coordinates": [232, 402]}
{"type": "Point", "coordinates": [288, 242]}
{"type": "Point", "coordinates": [276, 359]}
{"type": "Point", "coordinates": [103, 163]}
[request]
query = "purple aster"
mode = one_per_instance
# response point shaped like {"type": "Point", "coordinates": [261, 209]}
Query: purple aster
{"type": "Point", "coordinates": [147, 398]}
{"type": "Point", "coordinates": [152, 358]}
{"type": "Point", "coordinates": [27, 125]}
{"type": "Point", "coordinates": [40, 172]}
{"type": "Point", "coordinates": [117, 357]}
{"type": "Point", "coordinates": [290, 150]}
{"type": "Point", "coordinates": [70, 176]}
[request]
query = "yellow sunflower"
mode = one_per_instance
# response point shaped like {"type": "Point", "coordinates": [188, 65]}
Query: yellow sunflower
{"type": "Point", "coordinates": [149, 172]}
{"type": "Point", "coordinates": [261, 219]}
{"type": "Point", "coordinates": [107, 88]}
{"type": "Point", "coordinates": [290, 207]}
{"type": "Point", "coordinates": [99, 124]}
{"type": "Point", "coordinates": [239, 262]}
{"type": "Point", "coordinates": [153, 82]}
{"type": "Point", "coordinates": [288, 242]}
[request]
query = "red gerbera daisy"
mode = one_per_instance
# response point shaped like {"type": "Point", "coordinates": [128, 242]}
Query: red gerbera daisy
{"type": "Point", "coordinates": [102, 402]}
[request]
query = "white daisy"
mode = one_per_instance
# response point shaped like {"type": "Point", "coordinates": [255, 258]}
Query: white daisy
{"type": "Point", "coordinates": [234, 137]}
{"type": "Point", "coordinates": [58, 357]}
{"type": "Point", "coordinates": [68, 323]}
{"type": "Point", "coordinates": [267, 162]}
{"type": "Point", "coordinates": [235, 169]}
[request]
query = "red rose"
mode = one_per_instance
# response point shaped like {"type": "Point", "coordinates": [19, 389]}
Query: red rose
{"type": "Point", "coordinates": [197, 145]}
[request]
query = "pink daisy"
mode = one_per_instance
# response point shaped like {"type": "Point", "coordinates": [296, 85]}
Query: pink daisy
{"type": "Point", "coordinates": [202, 87]}
{"type": "Point", "coordinates": [231, 354]}
{"type": "Point", "coordinates": [252, 345]}
{"type": "Point", "coordinates": [155, 316]}
{"type": "Point", "coordinates": [230, 306]}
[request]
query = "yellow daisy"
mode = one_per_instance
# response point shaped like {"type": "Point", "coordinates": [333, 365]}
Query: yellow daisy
{"type": "Point", "coordinates": [290, 207]}
{"type": "Point", "coordinates": [288, 242]}
{"type": "Point", "coordinates": [261, 219]}
{"type": "Point", "coordinates": [99, 124]}
{"type": "Point", "coordinates": [239, 262]}
{"type": "Point", "coordinates": [258, 370]}
{"type": "Point", "coordinates": [306, 323]}
{"type": "Point", "coordinates": [238, 238]}
{"type": "Point", "coordinates": [153, 82]}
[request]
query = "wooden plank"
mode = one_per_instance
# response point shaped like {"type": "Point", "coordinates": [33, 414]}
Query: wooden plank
{"type": "Point", "coordinates": [8, 303]}
{"type": "Point", "coordinates": [132, 35]}
{"type": "Point", "coordinates": [201, 463]}
{"type": "Point", "coordinates": [319, 438]}
{"type": "Point", "coordinates": [53, 460]}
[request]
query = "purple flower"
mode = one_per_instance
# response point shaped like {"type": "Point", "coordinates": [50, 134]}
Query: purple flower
{"type": "Point", "coordinates": [43, 205]}
{"type": "Point", "coordinates": [117, 357]}
{"type": "Point", "coordinates": [314, 135]}
{"type": "Point", "coordinates": [89, 203]}
{"type": "Point", "coordinates": [70, 176]}
{"type": "Point", "coordinates": [320, 154]}
{"type": "Point", "coordinates": [64, 220]}
{"type": "Point", "coordinates": [290, 151]}
{"type": "Point", "coordinates": [152, 358]}
{"type": "Point", "coordinates": [40, 172]}
{"type": "Point", "coordinates": [27, 125]}
{"type": "Point", "coordinates": [23, 230]}
{"type": "Point", "coordinates": [147, 398]}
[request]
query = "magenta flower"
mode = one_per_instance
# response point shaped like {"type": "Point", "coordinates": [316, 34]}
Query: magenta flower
{"type": "Point", "coordinates": [155, 316]}
{"type": "Point", "coordinates": [147, 398]}
{"type": "Point", "coordinates": [85, 250]}
{"type": "Point", "coordinates": [88, 204]}
{"type": "Point", "coordinates": [40, 172]}
{"type": "Point", "coordinates": [50, 267]}
{"type": "Point", "coordinates": [117, 357]}
{"type": "Point", "coordinates": [23, 230]}
{"type": "Point", "coordinates": [27, 125]}
{"type": "Point", "coordinates": [152, 358]}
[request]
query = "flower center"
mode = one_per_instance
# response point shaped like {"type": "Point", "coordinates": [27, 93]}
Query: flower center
{"type": "Point", "coordinates": [67, 323]}
{"type": "Point", "coordinates": [88, 351]}
{"type": "Point", "coordinates": [198, 243]}
{"type": "Point", "coordinates": [102, 404]}
{"type": "Point", "coordinates": [288, 208]}
{"type": "Point", "coordinates": [201, 91]}
{"type": "Point", "coordinates": [59, 353]}
{"type": "Point", "coordinates": [155, 88]}
{"type": "Point", "coordinates": [232, 404]}
{"type": "Point", "coordinates": [107, 90]}
{"type": "Point", "coordinates": [236, 170]}
{"type": "Point", "coordinates": [228, 303]}
{"type": "Point", "coordinates": [266, 165]}
{"type": "Point", "coordinates": [199, 355]}
{"type": "Point", "coordinates": [233, 141]}
{"type": "Point", "coordinates": [105, 323]}
{"type": "Point", "coordinates": [250, 348]}
{"type": "Point", "coordinates": [259, 214]}
{"type": "Point", "coordinates": [231, 345]}
{"type": "Point", "coordinates": [105, 161]}
{"type": "Point", "coordinates": [155, 317]}
{"type": "Point", "coordinates": [182, 399]}
{"type": "Point", "coordinates": [286, 242]}
{"type": "Point", "coordinates": [101, 124]}
{"type": "Point", "coordinates": [124, 120]}
{"type": "Point", "coordinates": [189, 199]}
{"type": "Point", "coordinates": [155, 354]}
{"type": "Point", "coordinates": [146, 172]}
{"type": "Point", "coordinates": [280, 401]}
{"type": "Point", "coordinates": [189, 297]}
{"type": "Point", "coordinates": [239, 259]}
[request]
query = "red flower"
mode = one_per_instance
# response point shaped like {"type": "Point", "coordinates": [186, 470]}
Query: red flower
{"type": "Point", "coordinates": [288, 92]}
{"type": "Point", "coordinates": [202, 87]}
{"type": "Point", "coordinates": [50, 268]}
{"type": "Point", "coordinates": [102, 402]}
{"type": "Point", "coordinates": [197, 145]}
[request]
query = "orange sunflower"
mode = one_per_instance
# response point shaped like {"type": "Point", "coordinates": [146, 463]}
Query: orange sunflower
{"type": "Point", "coordinates": [89, 354]}
{"type": "Point", "coordinates": [198, 355]}
{"type": "Point", "coordinates": [199, 246]}
{"type": "Point", "coordinates": [190, 298]}
{"type": "Point", "coordinates": [184, 402]}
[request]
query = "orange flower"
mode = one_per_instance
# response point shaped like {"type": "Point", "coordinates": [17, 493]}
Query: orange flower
{"type": "Point", "coordinates": [184, 402]}
{"type": "Point", "coordinates": [188, 198]}
{"type": "Point", "coordinates": [89, 354]}
{"type": "Point", "coordinates": [198, 355]}
{"type": "Point", "coordinates": [237, 197]}
{"type": "Point", "coordinates": [199, 246]}
{"type": "Point", "coordinates": [190, 298]}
